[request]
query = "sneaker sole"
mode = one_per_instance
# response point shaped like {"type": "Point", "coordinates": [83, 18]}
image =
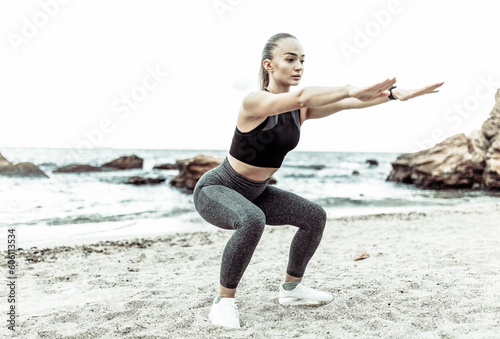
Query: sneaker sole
{"type": "Point", "coordinates": [302, 302]}
{"type": "Point", "coordinates": [222, 325]}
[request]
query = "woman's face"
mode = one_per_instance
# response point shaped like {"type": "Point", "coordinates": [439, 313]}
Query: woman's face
{"type": "Point", "coordinates": [287, 64]}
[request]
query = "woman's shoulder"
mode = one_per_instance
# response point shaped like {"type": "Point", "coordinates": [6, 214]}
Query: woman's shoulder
{"type": "Point", "coordinates": [259, 92]}
{"type": "Point", "coordinates": [254, 97]}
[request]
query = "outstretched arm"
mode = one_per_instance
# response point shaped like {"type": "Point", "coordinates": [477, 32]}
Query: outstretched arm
{"type": "Point", "coordinates": [353, 103]}
{"type": "Point", "coordinates": [262, 104]}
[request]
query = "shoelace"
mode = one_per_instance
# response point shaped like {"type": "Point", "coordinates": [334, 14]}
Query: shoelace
{"type": "Point", "coordinates": [303, 288]}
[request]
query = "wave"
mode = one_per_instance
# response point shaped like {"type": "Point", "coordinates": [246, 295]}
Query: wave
{"type": "Point", "coordinates": [97, 218]}
{"type": "Point", "coordinates": [383, 202]}
{"type": "Point", "coordinates": [314, 167]}
{"type": "Point", "coordinates": [300, 175]}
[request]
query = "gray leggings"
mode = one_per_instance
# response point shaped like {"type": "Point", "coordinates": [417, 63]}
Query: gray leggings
{"type": "Point", "coordinates": [228, 200]}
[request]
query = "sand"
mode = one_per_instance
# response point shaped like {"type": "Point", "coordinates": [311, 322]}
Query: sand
{"type": "Point", "coordinates": [432, 274]}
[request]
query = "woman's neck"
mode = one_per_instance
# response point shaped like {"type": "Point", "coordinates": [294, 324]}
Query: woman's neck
{"type": "Point", "coordinates": [276, 88]}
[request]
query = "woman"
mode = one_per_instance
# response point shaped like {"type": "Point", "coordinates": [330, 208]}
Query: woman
{"type": "Point", "coordinates": [236, 195]}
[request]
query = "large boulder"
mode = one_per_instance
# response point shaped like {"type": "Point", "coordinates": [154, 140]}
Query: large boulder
{"type": "Point", "coordinates": [480, 140]}
{"type": "Point", "coordinates": [22, 169]}
{"type": "Point", "coordinates": [491, 127]}
{"type": "Point", "coordinates": [491, 131]}
{"type": "Point", "coordinates": [166, 167]}
{"type": "Point", "coordinates": [78, 168]}
{"type": "Point", "coordinates": [122, 163]}
{"type": "Point", "coordinates": [453, 163]}
{"type": "Point", "coordinates": [491, 177]}
{"type": "Point", "coordinates": [191, 170]}
{"type": "Point", "coordinates": [458, 162]}
{"type": "Point", "coordinates": [4, 162]}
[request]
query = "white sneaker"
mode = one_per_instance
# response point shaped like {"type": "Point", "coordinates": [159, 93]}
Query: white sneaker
{"type": "Point", "coordinates": [225, 313]}
{"type": "Point", "coordinates": [303, 295]}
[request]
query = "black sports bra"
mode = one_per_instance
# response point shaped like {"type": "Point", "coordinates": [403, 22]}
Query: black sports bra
{"type": "Point", "coordinates": [267, 144]}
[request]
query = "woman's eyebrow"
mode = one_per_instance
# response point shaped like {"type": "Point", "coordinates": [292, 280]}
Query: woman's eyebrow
{"type": "Point", "coordinates": [294, 54]}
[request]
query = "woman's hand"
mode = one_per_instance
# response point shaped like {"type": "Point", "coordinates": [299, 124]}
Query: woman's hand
{"type": "Point", "coordinates": [404, 95]}
{"type": "Point", "coordinates": [373, 92]}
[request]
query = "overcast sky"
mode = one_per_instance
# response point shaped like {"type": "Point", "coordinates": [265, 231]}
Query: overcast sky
{"type": "Point", "coordinates": [171, 74]}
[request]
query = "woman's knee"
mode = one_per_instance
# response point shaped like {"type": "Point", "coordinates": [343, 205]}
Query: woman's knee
{"type": "Point", "coordinates": [318, 216]}
{"type": "Point", "coordinates": [251, 222]}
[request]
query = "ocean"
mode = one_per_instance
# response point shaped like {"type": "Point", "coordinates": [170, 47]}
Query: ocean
{"type": "Point", "coordinates": [68, 208]}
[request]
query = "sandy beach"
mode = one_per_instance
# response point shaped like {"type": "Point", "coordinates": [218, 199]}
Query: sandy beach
{"type": "Point", "coordinates": [432, 274]}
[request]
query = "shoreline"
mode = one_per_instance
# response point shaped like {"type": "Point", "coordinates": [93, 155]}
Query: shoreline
{"type": "Point", "coordinates": [92, 233]}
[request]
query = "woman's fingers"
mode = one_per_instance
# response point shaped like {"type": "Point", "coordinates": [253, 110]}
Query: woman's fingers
{"type": "Point", "coordinates": [381, 86]}
{"type": "Point", "coordinates": [378, 90]}
{"type": "Point", "coordinates": [408, 94]}
{"type": "Point", "coordinates": [384, 85]}
{"type": "Point", "coordinates": [433, 87]}
{"type": "Point", "coordinates": [430, 89]}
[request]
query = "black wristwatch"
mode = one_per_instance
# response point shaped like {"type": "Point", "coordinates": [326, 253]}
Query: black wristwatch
{"type": "Point", "coordinates": [391, 97]}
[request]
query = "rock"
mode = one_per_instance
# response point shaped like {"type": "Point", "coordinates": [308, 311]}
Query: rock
{"type": "Point", "coordinates": [121, 163]}
{"type": "Point", "coordinates": [4, 162]}
{"type": "Point", "coordinates": [361, 256]}
{"type": "Point", "coordinates": [491, 131]}
{"type": "Point", "coordinates": [191, 170]}
{"type": "Point", "coordinates": [22, 169]}
{"type": "Point", "coordinates": [127, 162]}
{"type": "Point", "coordinates": [479, 140]}
{"type": "Point", "coordinates": [78, 168]}
{"type": "Point", "coordinates": [457, 162]}
{"type": "Point", "coordinates": [491, 126]}
{"type": "Point", "coordinates": [491, 177]}
{"type": "Point", "coordinates": [166, 167]}
{"type": "Point", "coordinates": [372, 162]}
{"type": "Point", "coordinates": [453, 163]}
{"type": "Point", "coordinates": [355, 172]}
{"type": "Point", "coordinates": [492, 173]}
{"type": "Point", "coordinates": [144, 181]}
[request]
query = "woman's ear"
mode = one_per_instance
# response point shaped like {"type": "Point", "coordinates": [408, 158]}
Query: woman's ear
{"type": "Point", "coordinates": [267, 65]}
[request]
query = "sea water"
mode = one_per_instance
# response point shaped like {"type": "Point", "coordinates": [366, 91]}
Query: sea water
{"type": "Point", "coordinates": [67, 208]}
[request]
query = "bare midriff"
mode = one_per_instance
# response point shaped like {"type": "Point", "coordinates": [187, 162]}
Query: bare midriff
{"type": "Point", "coordinates": [249, 171]}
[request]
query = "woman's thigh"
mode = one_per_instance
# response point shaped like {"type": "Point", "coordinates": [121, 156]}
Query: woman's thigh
{"type": "Point", "coordinates": [286, 208]}
{"type": "Point", "coordinates": [225, 208]}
